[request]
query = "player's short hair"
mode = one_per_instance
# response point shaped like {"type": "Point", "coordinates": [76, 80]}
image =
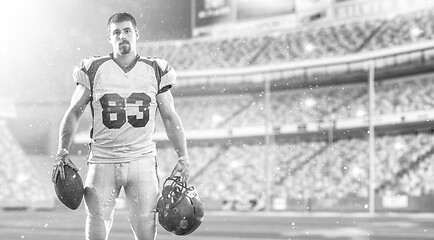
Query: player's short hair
{"type": "Point", "coordinates": [121, 17]}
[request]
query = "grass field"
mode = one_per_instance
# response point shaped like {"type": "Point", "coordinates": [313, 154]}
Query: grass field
{"type": "Point", "coordinates": [69, 225]}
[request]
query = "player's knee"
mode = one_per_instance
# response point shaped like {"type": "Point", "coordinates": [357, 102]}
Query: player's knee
{"type": "Point", "coordinates": [97, 221]}
{"type": "Point", "coordinates": [92, 201]}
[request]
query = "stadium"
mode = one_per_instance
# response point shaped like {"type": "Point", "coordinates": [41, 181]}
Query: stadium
{"type": "Point", "coordinates": [305, 119]}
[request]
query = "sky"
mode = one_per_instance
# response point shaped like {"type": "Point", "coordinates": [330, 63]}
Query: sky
{"type": "Point", "coordinates": [42, 40]}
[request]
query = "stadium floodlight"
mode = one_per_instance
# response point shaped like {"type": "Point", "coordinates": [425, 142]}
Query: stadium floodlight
{"type": "Point", "coordinates": [399, 145]}
{"type": "Point", "coordinates": [361, 113]}
{"type": "Point", "coordinates": [309, 47]}
{"type": "Point", "coordinates": [19, 14]}
{"type": "Point", "coordinates": [217, 118]}
{"type": "Point", "coordinates": [415, 32]}
{"type": "Point", "coordinates": [309, 102]}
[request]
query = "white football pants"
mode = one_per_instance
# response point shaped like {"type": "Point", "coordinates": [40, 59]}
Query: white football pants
{"type": "Point", "coordinates": [102, 187]}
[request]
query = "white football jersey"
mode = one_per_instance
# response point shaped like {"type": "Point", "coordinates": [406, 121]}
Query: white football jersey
{"type": "Point", "coordinates": [123, 105]}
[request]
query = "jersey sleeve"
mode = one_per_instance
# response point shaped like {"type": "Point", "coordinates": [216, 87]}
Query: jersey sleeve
{"type": "Point", "coordinates": [79, 75]}
{"type": "Point", "coordinates": [168, 76]}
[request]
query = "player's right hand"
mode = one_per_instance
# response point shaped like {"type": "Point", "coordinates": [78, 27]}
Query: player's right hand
{"type": "Point", "coordinates": [59, 166]}
{"type": "Point", "coordinates": [181, 167]}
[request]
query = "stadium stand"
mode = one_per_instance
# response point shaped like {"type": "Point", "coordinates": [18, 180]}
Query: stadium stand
{"type": "Point", "coordinates": [312, 169]}
{"type": "Point", "coordinates": [233, 173]}
{"type": "Point", "coordinates": [298, 44]}
{"type": "Point", "coordinates": [21, 186]}
{"type": "Point", "coordinates": [303, 105]}
{"type": "Point", "coordinates": [304, 169]}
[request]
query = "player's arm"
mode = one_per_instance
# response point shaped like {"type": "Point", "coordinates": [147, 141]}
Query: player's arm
{"type": "Point", "coordinates": [68, 126]}
{"type": "Point", "coordinates": [69, 123]}
{"type": "Point", "coordinates": [175, 132]}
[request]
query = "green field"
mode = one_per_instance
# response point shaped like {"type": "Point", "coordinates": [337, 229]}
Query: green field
{"type": "Point", "coordinates": [69, 225]}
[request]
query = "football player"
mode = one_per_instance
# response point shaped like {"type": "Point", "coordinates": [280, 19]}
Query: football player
{"type": "Point", "coordinates": [124, 91]}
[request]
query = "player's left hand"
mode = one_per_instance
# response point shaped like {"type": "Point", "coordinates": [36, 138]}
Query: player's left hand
{"type": "Point", "coordinates": [181, 167]}
{"type": "Point", "coordinates": [59, 166]}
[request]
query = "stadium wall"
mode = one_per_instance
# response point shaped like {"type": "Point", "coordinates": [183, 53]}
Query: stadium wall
{"type": "Point", "coordinates": [309, 13]}
{"type": "Point", "coordinates": [383, 204]}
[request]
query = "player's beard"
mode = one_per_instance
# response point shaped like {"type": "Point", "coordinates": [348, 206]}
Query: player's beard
{"type": "Point", "coordinates": [124, 47]}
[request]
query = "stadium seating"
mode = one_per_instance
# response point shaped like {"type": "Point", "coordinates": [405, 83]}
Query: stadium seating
{"type": "Point", "coordinates": [304, 105]}
{"type": "Point", "coordinates": [308, 169]}
{"type": "Point", "coordinates": [298, 44]}
{"type": "Point", "coordinates": [20, 184]}
{"type": "Point", "coordinates": [313, 170]}
{"type": "Point", "coordinates": [235, 173]}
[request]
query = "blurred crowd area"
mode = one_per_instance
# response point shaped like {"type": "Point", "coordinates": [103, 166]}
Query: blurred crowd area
{"type": "Point", "coordinates": [315, 104]}
{"type": "Point", "coordinates": [19, 179]}
{"type": "Point", "coordinates": [311, 169]}
{"type": "Point", "coordinates": [301, 169]}
{"type": "Point", "coordinates": [315, 42]}
{"type": "Point", "coordinates": [236, 172]}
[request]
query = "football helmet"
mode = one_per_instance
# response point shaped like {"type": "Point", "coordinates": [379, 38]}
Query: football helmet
{"type": "Point", "coordinates": [180, 209]}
